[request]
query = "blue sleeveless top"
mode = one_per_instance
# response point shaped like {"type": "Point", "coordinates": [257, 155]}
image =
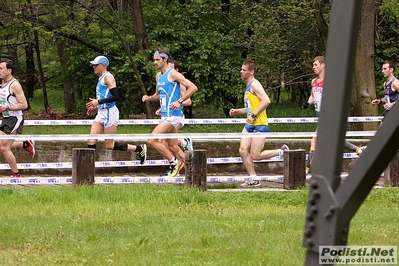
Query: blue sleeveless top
{"type": "Point", "coordinates": [169, 92]}
{"type": "Point", "coordinates": [102, 92]}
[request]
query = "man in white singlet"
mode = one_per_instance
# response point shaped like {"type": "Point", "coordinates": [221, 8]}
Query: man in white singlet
{"type": "Point", "coordinates": [319, 64]}
{"type": "Point", "coordinates": [12, 103]}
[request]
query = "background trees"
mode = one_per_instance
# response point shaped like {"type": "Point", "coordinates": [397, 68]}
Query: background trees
{"type": "Point", "coordinates": [53, 40]}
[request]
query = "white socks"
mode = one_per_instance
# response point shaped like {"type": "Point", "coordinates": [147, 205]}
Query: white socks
{"type": "Point", "coordinates": [174, 161]}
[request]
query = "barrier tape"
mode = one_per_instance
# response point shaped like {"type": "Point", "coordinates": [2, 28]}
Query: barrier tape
{"type": "Point", "coordinates": [105, 164]}
{"type": "Point", "coordinates": [85, 122]}
{"type": "Point", "coordinates": [126, 180]}
{"type": "Point", "coordinates": [134, 180]}
{"type": "Point", "coordinates": [85, 137]}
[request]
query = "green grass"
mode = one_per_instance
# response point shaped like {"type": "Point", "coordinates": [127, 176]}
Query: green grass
{"type": "Point", "coordinates": [170, 225]}
{"type": "Point", "coordinates": [55, 100]}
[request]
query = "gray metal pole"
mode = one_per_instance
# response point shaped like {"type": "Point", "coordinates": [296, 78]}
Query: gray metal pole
{"type": "Point", "coordinates": [340, 62]}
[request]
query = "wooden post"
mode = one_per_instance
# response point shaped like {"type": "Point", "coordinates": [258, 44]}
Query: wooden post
{"type": "Point", "coordinates": [196, 171]}
{"type": "Point", "coordinates": [294, 171]}
{"type": "Point", "coordinates": [391, 173]}
{"type": "Point", "coordinates": [83, 166]}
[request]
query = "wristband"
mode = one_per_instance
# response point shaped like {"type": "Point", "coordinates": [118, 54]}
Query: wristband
{"type": "Point", "coordinates": [180, 101]}
{"type": "Point", "coordinates": [253, 116]}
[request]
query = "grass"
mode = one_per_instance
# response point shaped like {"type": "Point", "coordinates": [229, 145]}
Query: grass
{"type": "Point", "coordinates": [147, 224]}
{"type": "Point", "coordinates": [55, 100]}
{"type": "Point", "coordinates": [170, 225]}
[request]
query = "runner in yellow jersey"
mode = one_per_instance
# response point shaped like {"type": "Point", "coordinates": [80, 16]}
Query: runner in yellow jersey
{"type": "Point", "coordinates": [255, 101]}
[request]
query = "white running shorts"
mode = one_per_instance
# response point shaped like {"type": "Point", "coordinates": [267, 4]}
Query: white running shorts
{"type": "Point", "coordinates": [108, 117]}
{"type": "Point", "coordinates": [175, 121]}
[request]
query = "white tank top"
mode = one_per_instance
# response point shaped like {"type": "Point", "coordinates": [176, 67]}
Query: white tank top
{"type": "Point", "coordinates": [9, 99]}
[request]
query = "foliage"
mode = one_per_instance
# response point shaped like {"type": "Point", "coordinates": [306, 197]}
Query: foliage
{"type": "Point", "coordinates": [209, 39]}
{"type": "Point", "coordinates": [387, 47]}
{"type": "Point", "coordinates": [205, 51]}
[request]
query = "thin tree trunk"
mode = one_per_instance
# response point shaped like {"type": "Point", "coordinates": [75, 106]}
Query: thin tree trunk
{"type": "Point", "coordinates": [141, 41]}
{"type": "Point", "coordinates": [39, 63]}
{"type": "Point", "coordinates": [30, 70]}
{"type": "Point", "coordinates": [68, 84]}
{"type": "Point", "coordinates": [365, 90]}
{"type": "Point", "coordinates": [321, 22]}
{"type": "Point", "coordinates": [41, 73]}
{"type": "Point", "coordinates": [13, 53]}
{"type": "Point", "coordinates": [138, 25]}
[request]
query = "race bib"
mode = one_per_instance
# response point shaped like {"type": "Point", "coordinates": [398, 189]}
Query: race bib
{"type": "Point", "coordinates": [5, 113]}
{"type": "Point", "coordinates": [317, 105]}
{"type": "Point", "coordinates": [162, 102]}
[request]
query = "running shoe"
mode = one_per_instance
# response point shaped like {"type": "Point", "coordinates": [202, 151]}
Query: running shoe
{"type": "Point", "coordinates": [14, 175]}
{"type": "Point", "coordinates": [284, 148]}
{"type": "Point", "coordinates": [175, 169]}
{"type": "Point", "coordinates": [188, 146]}
{"type": "Point", "coordinates": [30, 148]}
{"type": "Point", "coordinates": [251, 183]}
{"type": "Point", "coordinates": [142, 154]}
{"type": "Point", "coordinates": [167, 173]}
{"type": "Point", "coordinates": [360, 150]}
{"type": "Point", "coordinates": [182, 165]}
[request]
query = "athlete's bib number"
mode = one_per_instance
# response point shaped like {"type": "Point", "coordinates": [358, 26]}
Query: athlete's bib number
{"type": "Point", "coordinates": [247, 106]}
{"type": "Point", "coordinates": [5, 113]}
{"type": "Point", "coordinates": [162, 102]}
{"type": "Point", "coordinates": [317, 106]}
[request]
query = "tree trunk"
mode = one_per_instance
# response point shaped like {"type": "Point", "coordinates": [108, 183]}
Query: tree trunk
{"type": "Point", "coordinates": [142, 43]}
{"type": "Point", "coordinates": [226, 8]}
{"type": "Point", "coordinates": [41, 72]}
{"type": "Point", "coordinates": [138, 25]}
{"type": "Point", "coordinates": [68, 84]}
{"type": "Point", "coordinates": [39, 63]}
{"type": "Point", "coordinates": [321, 22]}
{"type": "Point", "coordinates": [13, 53]}
{"type": "Point", "coordinates": [30, 70]}
{"type": "Point", "coordinates": [364, 81]}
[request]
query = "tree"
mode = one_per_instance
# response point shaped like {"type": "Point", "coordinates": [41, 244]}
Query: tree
{"type": "Point", "coordinates": [364, 82]}
{"type": "Point", "coordinates": [68, 83]}
{"type": "Point", "coordinates": [209, 38]}
{"type": "Point", "coordinates": [39, 62]}
{"type": "Point", "coordinates": [138, 25]}
{"type": "Point", "coordinates": [364, 79]}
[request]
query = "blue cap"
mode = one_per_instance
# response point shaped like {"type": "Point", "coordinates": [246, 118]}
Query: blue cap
{"type": "Point", "coordinates": [100, 60]}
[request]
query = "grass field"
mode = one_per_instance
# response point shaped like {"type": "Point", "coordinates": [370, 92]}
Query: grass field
{"type": "Point", "coordinates": [147, 224]}
{"type": "Point", "coordinates": [170, 225]}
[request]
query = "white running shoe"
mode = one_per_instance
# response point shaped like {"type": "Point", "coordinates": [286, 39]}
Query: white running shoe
{"type": "Point", "coordinates": [188, 146]}
{"type": "Point", "coordinates": [251, 183]}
